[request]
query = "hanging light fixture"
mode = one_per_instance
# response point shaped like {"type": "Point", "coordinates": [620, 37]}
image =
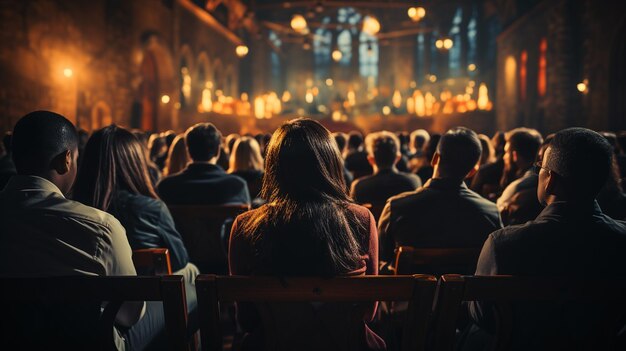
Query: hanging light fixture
{"type": "Point", "coordinates": [416, 13]}
{"type": "Point", "coordinates": [298, 23]}
{"type": "Point", "coordinates": [241, 50]}
{"type": "Point", "coordinates": [444, 44]}
{"type": "Point", "coordinates": [371, 25]}
{"type": "Point", "coordinates": [337, 55]}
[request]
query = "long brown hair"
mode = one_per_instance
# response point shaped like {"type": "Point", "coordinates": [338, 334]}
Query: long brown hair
{"type": "Point", "coordinates": [113, 160]}
{"type": "Point", "coordinates": [307, 227]}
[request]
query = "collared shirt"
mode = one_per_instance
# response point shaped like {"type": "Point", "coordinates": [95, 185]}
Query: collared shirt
{"type": "Point", "coordinates": [43, 233]}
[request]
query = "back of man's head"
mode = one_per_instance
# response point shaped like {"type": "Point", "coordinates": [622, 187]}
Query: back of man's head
{"type": "Point", "coordinates": [525, 142]}
{"type": "Point", "coordinates": [459, 150]}
{"type": "Point", "coordinates": [384, 147]}
{"type": "Point", "coordinates": [340, 139]}
{"type": "Point", "coordinates": [38, 138]}
{"type": "Point", "coordinates": [583, 158]}
{"type": "Point", "coordinates": [419, 138]}
{"type": "Point", "coordinates": [355, 140]}
{"type": "Point", "coordinates": [203, 142]}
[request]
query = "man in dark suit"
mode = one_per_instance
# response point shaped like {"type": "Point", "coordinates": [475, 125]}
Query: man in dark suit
{"type": "Point", "coordinates": [356, 157]}
{"type": "Point", "coordinates": [444, 212]}
{"type": "Point", "coordinates": [571, 237]}
{"type": "Point", "coordinates": [383, 152]}
{"type": "Point", "coordinates": [203, 182]}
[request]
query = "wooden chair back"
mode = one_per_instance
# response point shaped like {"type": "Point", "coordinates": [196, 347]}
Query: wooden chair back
{"type": "Point", "coordinates": [500, 291]}
{"type": "Point", "coordinates": [65, 294]}
{"type": "Point", "coordinates": [418, 290]}
{"type": "Point", "coordinates": [205, 233]}
{"type": "Point", "coordinates": [436, 260]}
{"type": "Point", "coordinates": [152, 261]}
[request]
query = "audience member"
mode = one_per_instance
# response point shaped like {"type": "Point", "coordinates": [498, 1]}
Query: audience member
{"type": "Point", "coordinates": [419, 138]}
{"type": "Point", "coordinates": [7, 168]}
{"type": "Point", "coordinates": [486, 181]}
{"type": "Point", "coordinates": [444, 212]}
{"type": "Point", "coordinates": [424, 166]}
{"type": "Point", "coordinates": [383, 152]}
{"type": "Point", "coordinates": [45, 234]}
{"type": "Point", "coordinates": [571, 237]}
{"type": "Point", "coordinates": [341, 140]}
{"type": "Point", "coordinates": [177, 158]}
{"type": "Point", "coordinates": [520, 152]}
{"type": "Point", "coordinates": [230, 141]}
{"type": "Point", "coordinates": [246, 162]}
{"type": "Point", "coordinates": [356, 158]}
{"type": "Point", "coordinates": [489, 154]}
{"type": "Point", "coordinates": [223, 158]}
{"type": "Point", "coordinates": [153, 169]}
{"type": "Point", "coordinates": [309, 227]}
{"type": "Point", "coordinates": [203, 182]}
{"type": "Point", "coordinates": [115, 179]}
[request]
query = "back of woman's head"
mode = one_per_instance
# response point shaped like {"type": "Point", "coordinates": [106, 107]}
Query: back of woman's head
{"type": "Point", "coordinates": [245, 155]}
{"type": "Point", "coordinates": [113, 160]}
{"type": "Point", "coordinates": [177, 157]}
{"type": "Point", "coordinates": [307, 227]}
{"type": "Point", "coordinates": [303, 163]}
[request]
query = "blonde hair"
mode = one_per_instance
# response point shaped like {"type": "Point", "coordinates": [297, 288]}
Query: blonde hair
{"type": "Point", "coordinates": [177, 157]}
{"type": "Point", "coordinates": [245, 155]}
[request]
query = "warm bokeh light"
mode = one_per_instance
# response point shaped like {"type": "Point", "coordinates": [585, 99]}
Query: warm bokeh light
{"type": "Point", "coordinates": [337, 55]}
{"type": "Point", "coordinates": [241, 50]}
{"type": "Point", "coordinates": [448, 43]}
{"type": "Point", "coordinates": [386, 110]}
{"type": "Point", "coordinates": [298, 23]}
{"type": "Point", "coordinates": [286, 96]}
{"type": "Point", "coordinates": [329, 82]}
{"type": "Point", "coordinates": [371, 25]}
{"type": "Point", "coordinates": [582, 86]}
{"type": "Point", "coordinates": [439, 44]}
{"type": "Point", "coordinates": [471, 67]}
{"type": "Point", "coordinates": [165, 99]}
{"type": "Point", "coordinates": [432, 78]}
{"type": "Point", "coordinates": [309, 96]}
{"type": "Point", "coordinates": [416, 13]}
{"type": "Point", "coordinates": [396, 99]}
{"type": "Point", "coordinates": [68, 72]}
{"type": "Point", "coordinates": [483, 97]}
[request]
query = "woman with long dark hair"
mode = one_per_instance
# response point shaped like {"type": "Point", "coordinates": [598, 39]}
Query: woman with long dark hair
{"type": "Point", "coordinates": [114, 178]}
{"type": "Point", "coordinates": [309, 226]}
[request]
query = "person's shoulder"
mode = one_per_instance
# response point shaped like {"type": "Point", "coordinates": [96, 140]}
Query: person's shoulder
{"type": "Point", "coordinates": [409, 198]}
{"type": "Point", "coordinates": [474, 197]}
{"type": "Point", "coordinates": [362, 212]}
{"type": "Point", "coordinates": [99, 220]}
{"type": "Point", "coordinates": [515, 234]}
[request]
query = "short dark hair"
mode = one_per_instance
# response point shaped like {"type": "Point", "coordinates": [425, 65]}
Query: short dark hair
{"type": "Point", "coordinates": [583, 157]}
{"type": "Point", "coordinates": [38, 137]}
{"type": "Point", "coordinates": [340, 139]}
{"type": "Point", "coordinates": [459, 150]}
{"type": "Point", "coordinates": [355, 140]}
{"type": "Point", "coordinates": [525, 142]}
{"type": "Point", "coordinates": [203, 141]}
{"type": "Point", "coordinates": [384, 147]}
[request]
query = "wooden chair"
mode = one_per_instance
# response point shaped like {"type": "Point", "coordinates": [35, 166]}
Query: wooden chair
{"type": "Point", "coordinates": [436, 260]}
{"type": "Point", "coordinates": [418, 290]}
{"type": "Point", "coordinates": [500, 291]}
{"type": "Point", "coordinates": [204, 234]}
{"type": "Point", "coordinates": [85, 294]}
{"type": "Point", "coordinates": [152, 261]}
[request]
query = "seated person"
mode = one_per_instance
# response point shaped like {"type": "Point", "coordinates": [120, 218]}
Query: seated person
{"type": "Point", "coordinates": [308, 227]}
{"type": "Point", "coordinates": [383, 152]}
{"type": "Point", "coordinates": [246, 162]}
{"type": "Point", "coordinates": [356, 158]}
{"type": "Point", "coordinates": [7, 168]}
{"type": "Point", "coordinates": [45, 234]}
{"type": "Point", "coordinates": [114, 178]}
{"type": "Point", "coordinates": [444, 213]}
{"type": "Point", "coordinates": [570, 238]}
{"type": "Point", "coordinates": [203, 182]}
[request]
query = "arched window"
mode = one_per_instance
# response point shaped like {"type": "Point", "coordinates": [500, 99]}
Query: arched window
{"type": "Point", "coordinates": [368, 57]}
{"type": "Point", "coordinates": [321, 51]}
{"type": "Point", "coordinates": [344, 44]}
{"type": "Point", "coordinates": [456, 50]}
{"type": "Point", "coordinates": [472, 35]}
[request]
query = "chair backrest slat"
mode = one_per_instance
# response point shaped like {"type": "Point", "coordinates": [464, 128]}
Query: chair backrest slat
{"type": "Point", "coordinates": [409, 259]}
{"type": "Point", "coordinates": [154, 261]}
{"type": "Point", "coordinates": [418, 290]}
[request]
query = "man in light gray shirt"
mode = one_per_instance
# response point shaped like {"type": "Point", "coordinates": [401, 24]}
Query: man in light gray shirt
{"type": "Point", "coordinates": [42, 233]}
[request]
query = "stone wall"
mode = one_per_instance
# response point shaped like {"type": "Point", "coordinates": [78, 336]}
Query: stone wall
{"type": "Point", "coordinates": [104, 43]}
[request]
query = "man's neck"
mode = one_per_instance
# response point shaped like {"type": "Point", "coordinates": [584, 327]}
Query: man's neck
{"type": "Point", "coordinates": [377, 169]}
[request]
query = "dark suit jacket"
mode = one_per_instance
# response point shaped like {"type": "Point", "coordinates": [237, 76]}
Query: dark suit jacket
{"type": "Point", "coordinates": [149, 224]}
{"type": "Point", "coordinates": [487, 179]}
{"type": "Point", "coordinates": [443, 213]}
{"type": "Point", "coordinates": [203, 184]}
{"type": "Point", "coordinates": [564, 240]}
{"type": "Point", "coordinates": [377, 188]}
{"type": "Point", "coordinates": [356, 162]}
